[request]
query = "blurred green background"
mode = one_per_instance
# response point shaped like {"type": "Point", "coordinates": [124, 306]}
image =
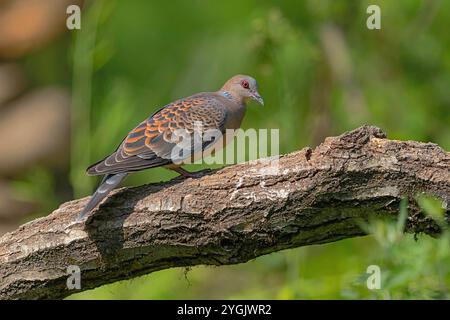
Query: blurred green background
{"type": "Point", "coordinates": [321, 72]}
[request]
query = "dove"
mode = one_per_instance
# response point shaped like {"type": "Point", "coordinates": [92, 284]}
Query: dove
{"type": "Point", "coordinates": [151, 144]}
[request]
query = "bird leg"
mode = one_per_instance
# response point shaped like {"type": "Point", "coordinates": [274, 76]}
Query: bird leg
{"type": "Point", "coordinates": [182, 172]}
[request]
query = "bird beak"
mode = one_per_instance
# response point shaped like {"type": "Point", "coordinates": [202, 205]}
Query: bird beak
{"type": "Point", "coordinates": [257, 97]}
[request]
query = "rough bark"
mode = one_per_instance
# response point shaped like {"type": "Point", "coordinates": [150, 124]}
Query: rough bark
{"type": "Point", "coordinates": [228, 216]}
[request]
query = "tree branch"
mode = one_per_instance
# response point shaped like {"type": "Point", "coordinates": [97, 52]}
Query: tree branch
{"type": "Point", "coordinates": [229, 216]}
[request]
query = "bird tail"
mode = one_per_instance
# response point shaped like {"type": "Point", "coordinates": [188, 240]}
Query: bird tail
{"type": "Point", "coordinates": [109, 182]}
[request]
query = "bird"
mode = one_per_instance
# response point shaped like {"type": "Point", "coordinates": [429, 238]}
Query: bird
{"type": "Point", "coordinates": [151, 144]}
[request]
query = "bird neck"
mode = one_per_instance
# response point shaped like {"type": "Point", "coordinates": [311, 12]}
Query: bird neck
{"type": "Point", "coordinates": [231, 96]}
{"type": "Point", "coordinates": [236, 109]}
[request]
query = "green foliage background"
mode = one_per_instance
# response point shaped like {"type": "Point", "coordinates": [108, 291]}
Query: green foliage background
{"type": "Point", "coordinates": [320, 71]}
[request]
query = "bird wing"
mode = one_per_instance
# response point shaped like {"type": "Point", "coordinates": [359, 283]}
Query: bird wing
{"type": "Point", "coordinates": [152, 142]}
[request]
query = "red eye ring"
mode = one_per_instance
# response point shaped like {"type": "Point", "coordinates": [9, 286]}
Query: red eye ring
{"type": "Point", "coordinates": [245, 84]}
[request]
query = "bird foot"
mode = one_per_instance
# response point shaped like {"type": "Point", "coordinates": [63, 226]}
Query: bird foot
{"type": "Point", "coordinates": [187, 174]}
{"type": "Point", "coordinates": [196, 174]}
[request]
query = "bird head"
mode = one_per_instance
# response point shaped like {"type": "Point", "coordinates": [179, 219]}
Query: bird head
{"type": "Point", "coordinates": [243, 88]}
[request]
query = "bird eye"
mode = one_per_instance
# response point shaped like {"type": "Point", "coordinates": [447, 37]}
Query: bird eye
{"type": "Point", "coordinates": [245, 84]}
